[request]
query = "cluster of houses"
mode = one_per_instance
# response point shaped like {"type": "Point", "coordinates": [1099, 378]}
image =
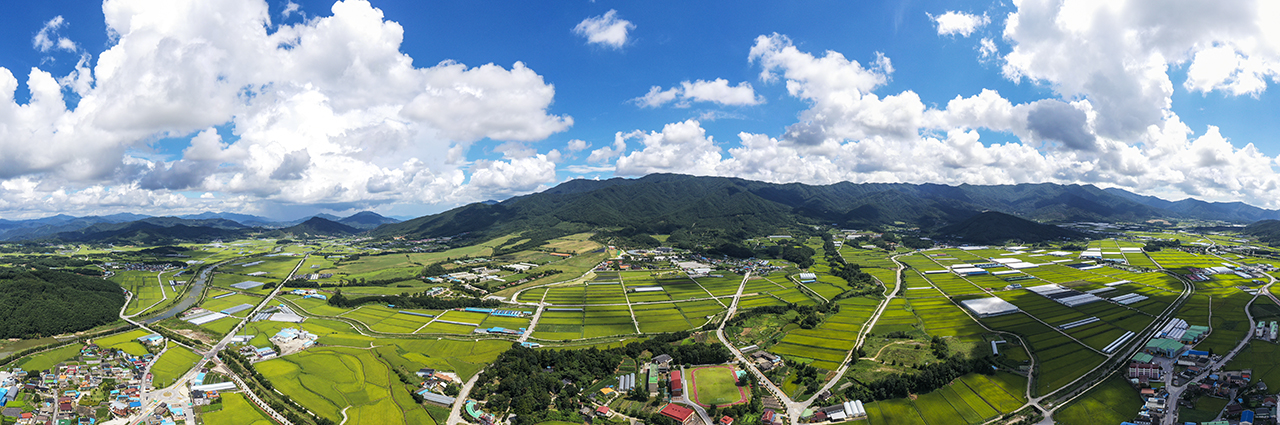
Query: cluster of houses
{"type": "Point", "coordinates": [137, 267]}
{"type": "Point", "coordinates": [70, 385]}
{"type": "Point", "coordinates": [766, 361]}
{"type": "Point", "coordinates": [847, 411]}
{"type": "Point", "coordinates": [289, 341]}
{"type": "Point", "coordinates": [1147, 373]}
{"type": "Point", "coordinates": [433, 385]}
{"type": "Point", "coordinates": [483, 418]}
{"type": "Point", "coordinates": [309, 293]}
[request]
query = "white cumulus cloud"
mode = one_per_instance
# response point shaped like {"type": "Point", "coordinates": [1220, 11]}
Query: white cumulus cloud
{"type": "Point", "coordinates": [48, 38]}
{"type": "Point", "coordinates": [964, 24]}
{"type": "Point", "coordinates": [326, 111]}
{"type": "Point", "coordinates": [716, 91]}
{"type": "Point", "coordinates": [1117, 54]}
{"type": "Point", "coordinates": [607, 30]}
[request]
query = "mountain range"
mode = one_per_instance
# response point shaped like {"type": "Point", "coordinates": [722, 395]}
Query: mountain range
{"type": "Point", "coordinates": [697, 209]}
{"type": "Point", "coordinates": [712, 207]}
{"type": "Point", "coordinates": [138, 228]}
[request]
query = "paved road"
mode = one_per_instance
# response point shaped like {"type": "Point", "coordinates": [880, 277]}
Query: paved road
{"type": "Point", "coordinates": [862, 334]}
{"type": "Point", "coordinates": [533, 324]}
{"type": "Point", "coordinates": [455, 412]}
{"type": "Point", "coordinates": [773, 389]}
{"type": "Point", "coordinates": [684, 399]}
{"type": "Point", "coordinates": [175, 392]}
{"type": "Point", "coordinates": [795, 408]}
{"type": "Point", "coordinates": [1175, 392]}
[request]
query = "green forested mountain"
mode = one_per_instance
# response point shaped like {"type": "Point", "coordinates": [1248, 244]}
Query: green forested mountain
{"type": "Point", "coordinates": [320, 226]}
{"type": "Point", "coordinates": [366, 220]}
{"type": "Point", "coordinates": [1195, 208]}
{"type": "Point", "coordinates": [155, 231]}
{"type": "Point", "coordinates": [995, 227]}
{"type": "Point", "coordinates": [706, 208]}
{"type": "Point", "coordinates": [41, 302]}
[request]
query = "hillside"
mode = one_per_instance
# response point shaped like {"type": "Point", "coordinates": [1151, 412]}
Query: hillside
{"type": "Point", "coordinates": [41, 302]}
{"type": "Point", "coordinates": [1197, 209]}
{"type": "Point", "coordinates": [318, 226]}
{"type": "Point", "coordinates": [155, 231]}
{"type": "Point", "coordinates": [716, 208]}
{"type": "Point", "coordinates": [366, 220]}
{"type": "Point", "coordinates": [1267, 231]}
{"type": "Point", "coordinates": [992, 227]}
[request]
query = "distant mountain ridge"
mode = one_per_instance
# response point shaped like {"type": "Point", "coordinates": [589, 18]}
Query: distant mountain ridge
{"type": "Point", "coordinates": [136, 228]}
{"type": "Point", "coordinates": [731, 207]}
{"type": "Point", "coordinates": [1197, 209]}
{"type": "Point", "coordinates": [689, 208]}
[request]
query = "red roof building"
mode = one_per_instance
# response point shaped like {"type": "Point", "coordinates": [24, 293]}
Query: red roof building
{"type": "Point", "coordinates": [726, 421]}
{"type": "Point", "coordinates": [677, 385]}
{"type": "Point", "coordinates": [602, 411]}
{"type": "Point", "coordinates": [681, 414]}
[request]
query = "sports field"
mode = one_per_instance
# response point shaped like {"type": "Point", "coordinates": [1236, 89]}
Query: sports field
{"type": "Point", "coordinates": [717, 386]}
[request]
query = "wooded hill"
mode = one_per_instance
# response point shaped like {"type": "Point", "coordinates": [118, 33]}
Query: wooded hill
{"type": "Point", "coordinates": [38, 303]}
{"type": "Point", "coordinates": [995, 227]}
{"type": "Point", "coordinates": [1267, 231]}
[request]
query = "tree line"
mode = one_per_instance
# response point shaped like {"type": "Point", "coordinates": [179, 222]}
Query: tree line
{"type": "Point", "coordinates": [407, 300]}
{"type": "Point", "coordinates": [525, 380]}
{"type": "Point", "coordinates": [928, 378]}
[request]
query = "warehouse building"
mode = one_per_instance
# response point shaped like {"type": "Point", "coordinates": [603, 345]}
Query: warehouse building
{"type": "Point", "coordinates": [989, 307]}
{"type": "Point", "coordinates": [247, 285]}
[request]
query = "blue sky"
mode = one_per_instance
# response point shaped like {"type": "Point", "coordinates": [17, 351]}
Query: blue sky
{"type": "Point", "coordinates": [284, 109]}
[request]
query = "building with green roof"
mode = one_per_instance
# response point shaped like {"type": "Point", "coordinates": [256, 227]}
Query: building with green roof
{"type": "Point", "coordinates": [1164, 347]}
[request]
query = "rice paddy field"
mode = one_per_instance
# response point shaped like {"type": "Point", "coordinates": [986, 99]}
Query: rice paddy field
{"type": "Point", "coordinates": [228, 301]}
{"type": "Point", "coordinates": [827, 345]}
{"type": "Point", "coordinates": [1059, 360]}
{"type": "Point", "coordinates": [127, 342]}
{"type": "Point", "coordinates": [1229, 322]}
{"type": "Point", "coordinates": [237, 410]}
{"type": "Point", "coordinates": [971, 399]}
{"type": "Point", "coordinates": [222, 280]}
{"type": "Point", "coordinates": [171, 365]}
{"type": "Point", "coordinates": [145, 288]}
{"type": "Point", "coordinates": [313, 306]}
{"type": "Point", "coordinates": [389, 320]}
{"type": "Point", "coordinates": [51, 358]}
{"type": "Point", "coordinates": [1112, 402]}
{"type": "Point", "coordinates": [942, 318]}
{"type": "Point", "coordinates": [275, 266]}
{"type": "Point", "coordinates": [1261, 357]}
{"type": "Point", "coordinates": [326, 379]}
